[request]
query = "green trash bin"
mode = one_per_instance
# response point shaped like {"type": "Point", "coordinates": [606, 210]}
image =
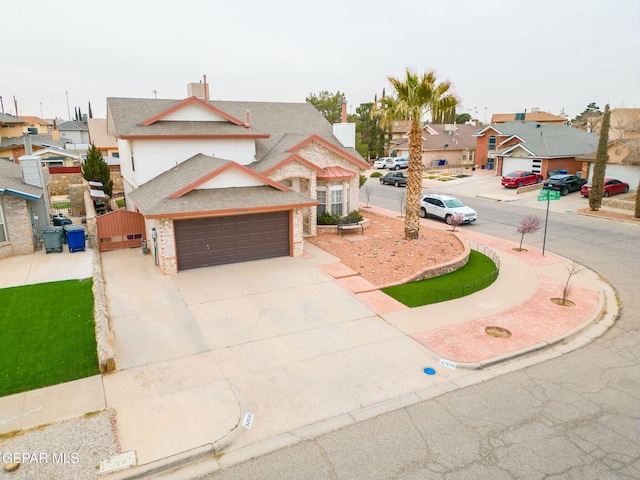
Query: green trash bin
{"type": "Point", "coordinates": [52, 237]}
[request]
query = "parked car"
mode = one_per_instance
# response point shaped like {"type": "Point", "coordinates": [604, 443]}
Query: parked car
{"type": "Point", "coordinates": [382, 162]}
{"type": "Point", "coordinates": [564, 183]}
{"type": "Point", "coordinates": [520, 178]}
{"type": "Point", "coordinates": [394, 178]}
{"type": "Point", "coordinates": [445, 206]}
{"type": "Point", "coordinates": [611, 187]}
{"type": "Point", "coordinates": [398, 163]}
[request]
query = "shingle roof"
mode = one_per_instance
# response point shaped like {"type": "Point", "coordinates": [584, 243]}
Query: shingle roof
{"type": "Point", "coordinates": [11, 181]}
{"type": "Point", "coordinates": [10, 119]}
{"type": "Point", "coordinates": [98, 133]}
{"type": "Point", "coordinates": [463, 139]}
{"type": "Point", "coordinates": [73, 125]}
{"type": "Point", "coordinates": [529, 117]}
{"type": "Point", "coordinates": [152, 198]}
{"type": "Point", "coordinates": [549, 140]}
{"type": "Point", "coordinates": [284, 124]}
{"type": "Point", "coordinates": [31, 120]}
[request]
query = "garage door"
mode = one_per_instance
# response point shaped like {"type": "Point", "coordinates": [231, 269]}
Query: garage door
{"type": "Point", "coordinates": [217, 241]}
{"type": "Point", "coordinates": [513, 164]}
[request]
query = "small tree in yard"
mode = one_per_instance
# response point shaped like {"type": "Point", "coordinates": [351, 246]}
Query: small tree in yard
{"type": "Point", "coordinates": [367, 193]}
{"type": "Point", "coordinates": [95, 169]}
{"type": "Point", "coordinates": [572, 269]}
{"type": "Point", "coordinates": [528, 224]}
{"type": "Point", "coordinates": [455, 220]}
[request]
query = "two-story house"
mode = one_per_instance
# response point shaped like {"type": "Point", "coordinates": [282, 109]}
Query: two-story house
{"type": "Point", "coordinates": [222, 182]}
{"type": "Point", "coordinates": [540, 148]}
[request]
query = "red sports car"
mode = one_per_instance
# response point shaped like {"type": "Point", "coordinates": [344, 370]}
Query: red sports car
{"type": "Point", "coordinates": [611, 187]}
{"type": "Point", "coordinates": [520, 178]}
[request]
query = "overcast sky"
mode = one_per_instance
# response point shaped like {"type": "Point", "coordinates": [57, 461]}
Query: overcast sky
{"type": "Point", "coordinates": [502, 56]}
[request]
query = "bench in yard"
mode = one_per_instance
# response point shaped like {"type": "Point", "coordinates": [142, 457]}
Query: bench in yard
{"type": "Point", "coordinates": [349, 223]}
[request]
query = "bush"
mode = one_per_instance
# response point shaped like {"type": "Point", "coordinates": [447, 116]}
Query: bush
{"type": "Point", "coordinates": [327, 218]}
{"type": "Point", "coordinates": [355, 214]}
{"type": "Point", "coordinates": [363, 179]}
{"type": "Point", "coordinates": [375, 175]}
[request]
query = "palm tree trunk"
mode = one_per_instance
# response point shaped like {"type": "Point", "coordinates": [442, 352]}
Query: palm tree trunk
{"type": "Point", "coordinates": [414, 183]}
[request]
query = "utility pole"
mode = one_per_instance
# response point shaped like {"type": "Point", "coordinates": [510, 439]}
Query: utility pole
{"type": "Point", "coordinates": [68, 110]}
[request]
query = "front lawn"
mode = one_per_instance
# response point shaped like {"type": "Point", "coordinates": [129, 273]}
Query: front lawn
{"type": "Point", "coordinates": [47, 335]}
{"type": "Point", "coordinates": [479, 272]}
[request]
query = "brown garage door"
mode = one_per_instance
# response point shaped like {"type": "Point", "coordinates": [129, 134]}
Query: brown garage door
{"type": "Point", "coordinates": [205, 242]}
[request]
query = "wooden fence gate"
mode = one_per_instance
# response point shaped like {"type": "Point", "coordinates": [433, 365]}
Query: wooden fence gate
{"type": "Point", "coordinates": [120, 229]}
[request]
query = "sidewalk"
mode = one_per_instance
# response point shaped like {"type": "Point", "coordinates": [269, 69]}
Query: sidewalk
{"type": "Point", "coordinates": [293, 343]}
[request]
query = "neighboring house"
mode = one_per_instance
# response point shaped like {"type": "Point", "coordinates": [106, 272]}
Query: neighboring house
{"type": "Point", "coordinates": [36, 125]}
{"type": "Point", "coordinates": [537, 147]}
{"type": "Point", "coordinates": [75, 132]}
{"type": "Point", "coordinates": [10, 126]}
{"type": "Point", "coordinates": [624, 123]}
{"type": "Point", "coordinates": [451, 144]}
{"type": "Point", "coordinates": [107, 144]}
{"type": "Point", "coordinates": [623, 162]}
{"type": "Point", "coordinates": [623, 147]}
{"type": "Point", "coordinates": [24, 209]}
{"type": "Point", "coordinates": [57, 157]}
{"type": "Point", "coordinates": [534, 116]}
{"type": "Point", "coordinates": [12, 148]}
{"type": "Point", "coordinates": [222, 182]}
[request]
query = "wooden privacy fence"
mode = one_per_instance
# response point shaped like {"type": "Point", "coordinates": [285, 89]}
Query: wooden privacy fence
{"type": "Point", "coordinates": [120, 229]}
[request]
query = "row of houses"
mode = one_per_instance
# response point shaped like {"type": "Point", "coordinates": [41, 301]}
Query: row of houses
{"type": "Point", "coordinates": [215, 182]}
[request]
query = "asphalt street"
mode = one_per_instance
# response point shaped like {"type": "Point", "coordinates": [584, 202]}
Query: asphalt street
{"type": "Point", "coordinates": [573, 417]}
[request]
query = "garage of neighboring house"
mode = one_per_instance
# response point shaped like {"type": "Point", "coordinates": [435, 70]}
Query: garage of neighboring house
{"type": "Point", "coordinates": [206, 242]}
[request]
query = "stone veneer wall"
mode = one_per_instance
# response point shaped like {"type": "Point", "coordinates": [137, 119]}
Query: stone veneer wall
{"type": "Point", "coordinates": [619, 203]}
{"type": "Point", "coordinates": [18, 226]}
{"type": "Point", "coordinates": [60, 183]}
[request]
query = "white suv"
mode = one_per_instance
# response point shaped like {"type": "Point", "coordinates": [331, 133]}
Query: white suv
{"type": "Point", "coordinates": [398, 163]}
{"type": "Point", "coordinates": [391, 163]}
{"type": "Point", "coordinates": [445, 207]}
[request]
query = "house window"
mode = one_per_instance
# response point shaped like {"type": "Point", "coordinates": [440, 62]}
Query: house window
{"type": "Point", "coordinates": [492, 143]}
{"type": "Point", "coordinates": [322, 202]}
{"type": "Point", "coordinates": [115, 154]}
{"type": "Point", "coordinates": [3, 230]}
{"type": "Point", "coordinates": [336, 197]}
{"type": "Point", "coordinates": [330, 197]}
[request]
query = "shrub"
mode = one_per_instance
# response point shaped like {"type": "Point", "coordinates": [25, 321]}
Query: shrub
{"type": "Point", "coordinates": [363, 179]}
{"type": "Point", "coordinates": [375, 175]}
{"type": "Point", "coordinates": [327, 218]}
{"type": "Point", "coordinates": [355, 214]}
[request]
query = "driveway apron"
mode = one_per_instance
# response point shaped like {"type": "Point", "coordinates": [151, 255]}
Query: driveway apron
{"type": "Point", "coordinates": [277, 338]}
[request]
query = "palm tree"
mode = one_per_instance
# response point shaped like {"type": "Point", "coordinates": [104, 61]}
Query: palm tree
{"type": "Point", "coordinates": [416, 95]}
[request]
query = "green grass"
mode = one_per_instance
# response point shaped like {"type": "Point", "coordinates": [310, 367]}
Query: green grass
{"type": "Point", "coordinates": [120, 202]}
{"type": "Point", "coordinates": [47, 335]}
{"type": "Point", "coordinates": [479, 272]}
{"type": "Point", "coordinates": [61, 205]}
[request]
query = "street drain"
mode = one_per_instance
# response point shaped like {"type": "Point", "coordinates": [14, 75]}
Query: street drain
{"type": "Point", "coordinates": [498, 332]}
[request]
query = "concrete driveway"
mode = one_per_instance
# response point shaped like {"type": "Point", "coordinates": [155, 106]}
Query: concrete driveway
{"type": "Point", "coordinates": [277, 338]}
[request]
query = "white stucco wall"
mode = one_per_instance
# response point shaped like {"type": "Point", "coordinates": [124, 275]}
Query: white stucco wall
{"type": "Point", "coordinates": [232, 178]}
{"type": "Point", "coordinates": [153, 157]}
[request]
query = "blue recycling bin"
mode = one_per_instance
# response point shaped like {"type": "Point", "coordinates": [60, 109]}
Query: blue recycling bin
{"type": "Point", "coordinates": [75, 238]}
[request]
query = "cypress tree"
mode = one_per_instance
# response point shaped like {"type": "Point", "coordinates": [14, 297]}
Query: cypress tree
{"type": "Point", "coordinates": [600, 166]}
{"type": "Point", "coordinates": [95, 169]}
